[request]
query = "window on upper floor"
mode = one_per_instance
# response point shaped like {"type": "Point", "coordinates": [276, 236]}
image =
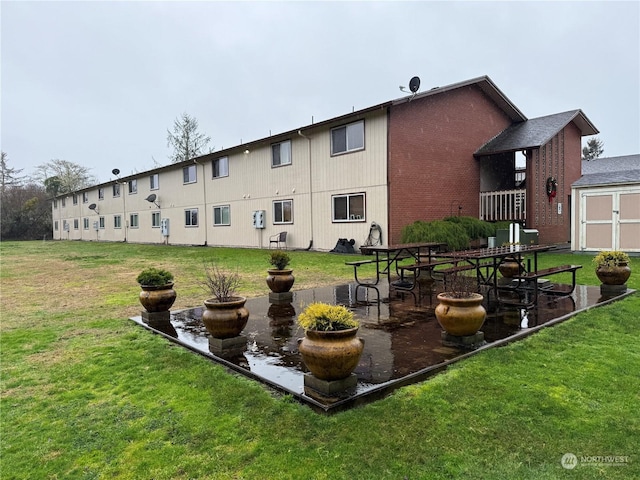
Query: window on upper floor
{"type": "Point", "coordinates": [85, 197]}
{"type": "Point", "coordinates": [191, 217]}
{"type": "Point", "coordinates": [154, 181]}
{"type": "Point", "coordinates": [281, 154]}
{"type": "Point", "coordinates": [348, 208]}
{"type": "Point", "coordinates": [189, 174]}
{"type": "Point", "coordinates": [220, 167]}
{"type": "Point", "coordinates": [347, 138]}
{"type": "Point", "coordinates": [101, 193]}
{"type": "Point", "coordinates": [55, 203]}
{"type": "Point", "coordinates": [282, 212]}
{"type": "Point", "coordinates": [75, 199]}
{"type": "Point", "coordinates": [64, 201]}
{"type": "Point", "coordinates": [222, 215]}
{"type": "Point", "coordinates": [133, 186]}
{"type": "Point", "coordinates": [116, 189]}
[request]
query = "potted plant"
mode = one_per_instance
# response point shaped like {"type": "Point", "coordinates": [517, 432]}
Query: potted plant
{"type": "Point", "coordinates": [157, 293]}
{"type": "Point", "coordinates": [612, 267]}
{"type": "Point", "coordinates": [460, 311]}
{"type": "Point", "coordinates": [330, 348]}
{"type": "Point", "coordinates": [280, 278]}
{"type": "Point", "coordinates": [225, 315]}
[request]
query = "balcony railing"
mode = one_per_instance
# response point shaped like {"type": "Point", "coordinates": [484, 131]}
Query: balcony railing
{"type": "Point", "coordinates": [503, 205]}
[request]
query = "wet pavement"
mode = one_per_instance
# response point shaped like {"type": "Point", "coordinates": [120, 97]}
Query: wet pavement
{"type": "Point", "coordinates": [402, 338]}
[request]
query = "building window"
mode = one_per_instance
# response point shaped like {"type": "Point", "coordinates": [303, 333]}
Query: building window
{"type": "Point", "coordinates": [349, 208]}
{"type": "Point", "coordinates": [64, 201]}
{"type": "Point", "coordinates": [75, 199]}
{"type": "Point", "coordinates": [85, 197]}
{"type": "Point", "coordinates": [76, 224]}
{"type": "Point", "coordinates": [116, 189]}
{"type": "Point", "coordinates": [281, 154]}
{"type": "Point", "coordinates": [101, 193]}
{"type": "Point", "coordinates": [191, 217]}
{"type": "Point", "coordinates": [220, 167]}
{"type": "Point", "coordinates": [347, 138]}
{"type": "Point", "coordinates": [101, 222]}
{"type": "Point", "coordinates": [133, 186]}
{"type": "Point", "coordinates": [55, 225]}
{"type": "Point", "coordinates": [65, 225]}
{"type": "Point", "coordinates": [189, 174]}
{"type": "Point", "coordinates": [133, 220]}
{"type": "Point", "coordinates": [222, 215]}
{"type": "Point", "coordinates": [85, 223]}
{"type": "Point", "coordinates": [55, 203]}
{"type": "Point", "coordinates": [117, 221]}
{"type": "Point", "coordinates": [154, 181]}
{"type": "Point", "coordinates": [155, 219]}
{"type": "Point", "coordinates": [283, 212]}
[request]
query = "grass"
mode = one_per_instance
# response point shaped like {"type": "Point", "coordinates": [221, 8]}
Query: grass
{"type": "Point", "coordinates": [85, 393]}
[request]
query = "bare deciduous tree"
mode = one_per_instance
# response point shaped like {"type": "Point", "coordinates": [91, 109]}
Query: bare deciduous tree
{"type": "Point", "coordinates": [70, 176]}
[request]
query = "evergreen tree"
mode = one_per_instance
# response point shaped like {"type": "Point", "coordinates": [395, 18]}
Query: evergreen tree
{"type": "Point", "coordinates": [186, 141]}
{"type": "Point", "coordinates": [594, 148]}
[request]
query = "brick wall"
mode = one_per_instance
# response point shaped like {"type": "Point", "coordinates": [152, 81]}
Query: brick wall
{"type": "Point", "coordinates": [432, 170]}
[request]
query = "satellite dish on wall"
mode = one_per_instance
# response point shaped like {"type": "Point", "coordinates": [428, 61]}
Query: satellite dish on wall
{"type": "Point", "coordinates": [93, 206]}
{"type": "Point", "coordinates": [115, 171]}
{"type": "Point", "coordinates": [151, 198]}
{"type": "Point", "coordinates": [414, 84]}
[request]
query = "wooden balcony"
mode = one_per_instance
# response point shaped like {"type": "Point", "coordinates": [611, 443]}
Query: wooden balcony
{"type": "Point", "coordinates": [503, 205]}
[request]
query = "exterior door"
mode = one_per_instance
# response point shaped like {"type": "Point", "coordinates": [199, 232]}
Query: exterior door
{"type": "Point", "coordinates": [610, 220]}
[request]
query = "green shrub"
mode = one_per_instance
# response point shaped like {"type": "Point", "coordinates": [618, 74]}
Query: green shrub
{"type": "Point", "coordinates": [279, 259]}
{"type": "Point", "coordinates": [474, 227]}
{"type": "Point", "coordinates": [453, 234]}
{"type": "Point", "coordinates": [154, 277]}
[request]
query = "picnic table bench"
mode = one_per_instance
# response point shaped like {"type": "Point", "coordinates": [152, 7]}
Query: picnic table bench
{"type": "Point", "coordinates": [534, 277]}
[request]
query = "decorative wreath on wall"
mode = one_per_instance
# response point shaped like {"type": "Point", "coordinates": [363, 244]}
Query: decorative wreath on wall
{"type": "Point", "coordinates": [552, 187]}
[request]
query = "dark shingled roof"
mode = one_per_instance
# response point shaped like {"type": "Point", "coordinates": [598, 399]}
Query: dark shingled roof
{"type": "Point", "coordinates": [535, 132]}
{"type": "Point", "coordinates": [610, 171]}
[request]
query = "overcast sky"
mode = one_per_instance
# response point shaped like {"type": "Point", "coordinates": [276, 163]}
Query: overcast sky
{"type": "Point", "coordinates": [99, 83]}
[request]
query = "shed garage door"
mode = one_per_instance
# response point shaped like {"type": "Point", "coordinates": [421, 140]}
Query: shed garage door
{"type": "Point", "coordinates": [610, 220]}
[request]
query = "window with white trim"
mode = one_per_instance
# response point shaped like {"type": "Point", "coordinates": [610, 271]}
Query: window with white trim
{"type": "Point", "coordinates": [101, 222]}
{"type": "Point", "coordinates": [101, 193]}
{"type": "Point", "coordinates": [282, 212]}
{"type": "Point", "coordinates": [76, 224]}
{"type": "Point", "coordinates": [116, 189]}
{"type": "Point", "coordinates": [347, 138]}
{"type": "Point", "coordinates": [348, 208]}
{"type": "Point", "coordinates": [281, 154]}
{"type": "Point", "coordinates": [55, 225]}
{"type": "Point", "coordinates": [85, 197]}
{"type": "Point", "coordinates": [133, 220]}
{"type": "Point", "coordinates": [155, 219]}
{"type": "Point", "coordinates": [222, 215]}
{"type": "Point", "coordinates": [117, 221]}
{"type": "Point", "coordinates": [154, 181]}
{"type": "Point", "coordinates": [191, 217]}
{"type": "Point", "coordinates": [133, 186]}
{"type": "Point", "coordinates": [220, 167]}
{"type": "Point", "coordinates": [189, 174]}
{"type": "Point", "coordinates": [85, 223]}
{"type": "Point", "coordinates": [64, 201]}
{"type": "Point", "coordinates": [75, 199]}
{"type": "Point", "coordinates": [55, 203]}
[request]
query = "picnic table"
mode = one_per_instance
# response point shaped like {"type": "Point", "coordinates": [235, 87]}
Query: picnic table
{"type": "Point", "coordinates": [486, 263]}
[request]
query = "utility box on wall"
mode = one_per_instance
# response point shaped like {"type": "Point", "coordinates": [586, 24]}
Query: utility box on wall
{"type": "Point", "coordinates": [258, 218]}
{"type": "Point", "coordinates": [164, 227]}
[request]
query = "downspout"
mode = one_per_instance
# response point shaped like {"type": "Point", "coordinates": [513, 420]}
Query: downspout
{"type": "Point", "coordinates": [204, 201]}
{"type": "Point", "coordinates": [310, 188]}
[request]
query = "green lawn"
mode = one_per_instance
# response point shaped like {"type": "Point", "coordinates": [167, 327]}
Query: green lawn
{"type": "Point", "coordinates": [86, 393]}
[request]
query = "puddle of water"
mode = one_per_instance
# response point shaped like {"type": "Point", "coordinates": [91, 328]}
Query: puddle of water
{"type": "Point", "coordinates": [402, 337]}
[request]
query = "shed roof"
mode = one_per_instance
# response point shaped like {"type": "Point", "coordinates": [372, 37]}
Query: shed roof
{"type": "Point", "coordinates": [536, 132]}
{"type": "Point", "coordinates": [622, 170]}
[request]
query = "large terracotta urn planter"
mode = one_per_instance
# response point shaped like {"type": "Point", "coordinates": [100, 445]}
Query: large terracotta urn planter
{"type": "Point", "coordinates": [460, 316]}
{"type": "Point", "coordinates": [280, 281]}
{"type": "Point", "coordinates": [331, 355]}
{"type": "Point", "coordinates": [225, 319]}
{"type": "Point", "coordinates": [157, 298]}
{"type": "Point", "coordinates": [614, 275]}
